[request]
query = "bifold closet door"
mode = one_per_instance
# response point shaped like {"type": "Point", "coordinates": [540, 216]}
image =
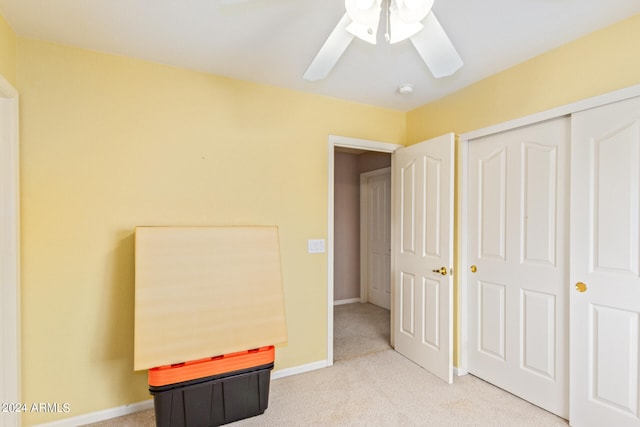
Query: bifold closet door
{"type": "Point", "coordinates": [518, 262]}
{"type": "Point", "coordinates": [605, 266]}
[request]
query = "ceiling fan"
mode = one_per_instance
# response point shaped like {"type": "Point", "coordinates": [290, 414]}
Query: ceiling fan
{"type": "Point", "coordinates": [412, 19]}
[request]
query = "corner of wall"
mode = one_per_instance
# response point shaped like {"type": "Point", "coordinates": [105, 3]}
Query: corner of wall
{"type": "Point", "coordinates": [597, 63]}
{"type": "Point", "coordinates": [7, 52]}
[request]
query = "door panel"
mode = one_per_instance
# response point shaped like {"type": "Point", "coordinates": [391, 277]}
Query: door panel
{"type": "Point", "coordinates": [431, 208]}
{"type": "Point", "coordinates": [518, 241]}
{"type": "Point", "coordinates": [407, 304]}
{"type": "Point", "coordinates": [538, 330]}
{"type": "Point", "coordinates": [538, 214]}
{"type": "Point", "coordinates": [491, 315]}
{"type": "Point", "coordinates": [407, 208]}
{"type": "Point", "coordinates": [605, 304]}
{"type": "Point", "coordinates": [431, 310]}
{"type": "Point", "coordinates": [492, 186]}
{"type": "Point", "coordinates": [616, 174]}
{"type": "Point", "coordinates": [615, 385]}
{"type": "Point", "coordinates": [422, 180]}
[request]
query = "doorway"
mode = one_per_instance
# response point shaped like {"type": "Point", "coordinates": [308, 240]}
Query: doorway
{"type": "Point", "coordinates": [362, 182]}
{"type": "Point", "coordinates": [353, 147]}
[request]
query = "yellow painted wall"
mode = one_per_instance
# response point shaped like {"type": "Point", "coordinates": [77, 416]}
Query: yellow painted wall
{"type": "Point", "coordinates": [7, 52]}
{"type": "Point", "coordinates": [601, 62]}
{"type": "Point", "coordinates": [598, 63]}
{"type": "Point", "coordinates": [109, 143]}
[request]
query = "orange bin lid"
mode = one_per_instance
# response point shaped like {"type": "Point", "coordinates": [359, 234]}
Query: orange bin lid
{"type": "Point", "coordinates": [172, 374]}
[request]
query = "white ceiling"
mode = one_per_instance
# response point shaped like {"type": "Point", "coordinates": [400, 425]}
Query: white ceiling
{"type": "Point", "coordinates": [273, 41]}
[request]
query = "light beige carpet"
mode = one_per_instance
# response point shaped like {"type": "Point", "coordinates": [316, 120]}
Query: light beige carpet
{"type": "Point", "coordinates": [379, 388]}
{"type": "Point", "coordinates": [359, 330]}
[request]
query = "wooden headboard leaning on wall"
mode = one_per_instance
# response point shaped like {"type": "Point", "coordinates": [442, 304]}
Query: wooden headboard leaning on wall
{"type": "Point", "coordinates": [205, 291]}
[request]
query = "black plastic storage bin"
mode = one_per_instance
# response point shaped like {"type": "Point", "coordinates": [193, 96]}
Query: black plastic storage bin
{"type": "Point", "coordinates": [215, 400]}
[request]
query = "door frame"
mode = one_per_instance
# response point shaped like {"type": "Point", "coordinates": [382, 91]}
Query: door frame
{"type": "Point", "coordinates": [364, 220]}
{"type": "Point", "coordinates": [463, 194]}
{"type": "Point", "coordinates": [9, 249]}
{"type": "Point", "coordinates": [358, 144]}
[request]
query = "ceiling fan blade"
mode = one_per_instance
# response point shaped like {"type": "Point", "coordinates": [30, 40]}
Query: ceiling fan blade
{"type": "Point", "coordinates": [330, 52]}
{"type": "Point", "coordinates": [435, 48]}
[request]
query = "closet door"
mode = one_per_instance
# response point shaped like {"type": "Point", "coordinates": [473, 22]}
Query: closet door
{"type": "Point", "coordinates": [605, 265]}
{"type": "Point", "coordinates": [517, 268]}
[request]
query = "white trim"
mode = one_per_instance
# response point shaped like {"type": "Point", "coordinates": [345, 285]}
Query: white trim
{"type": "Point", "coordinates": [9, 251]}
{"type": "Point", "coordinates": [362, 144]}
{"type": "Point", "coordinates": [364, 219]}
{"type": "Point", "coordinates": [462, 241]}
{"type": "Point", "coordinates": [466, 138]}
{"type": "Point", "coordinates": [459, 372]}
{"type": "Point", "coordinates": [283, 373]}
{"type": "Point", "coordinates": [345, 142]}
{"type": "Point", "coordinates": [94, 417]}
{"type": "Point", "coordinates": [132, 408]}
{"type": "Point", "coordinates": [348, 301]}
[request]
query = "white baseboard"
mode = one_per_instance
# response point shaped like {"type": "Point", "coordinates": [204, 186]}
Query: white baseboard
{"type": "Point", "coordinates": [106, 414]}
{"type": "Point", "coordinates": [346, 301]}
{"type": "Point", "coordinates": [281, 373]}
{"type": "Point", "coordinates": [458, 372]}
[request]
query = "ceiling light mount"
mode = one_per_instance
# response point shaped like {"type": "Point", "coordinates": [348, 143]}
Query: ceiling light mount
{"type": "Point", "coordinates": [405, 89]}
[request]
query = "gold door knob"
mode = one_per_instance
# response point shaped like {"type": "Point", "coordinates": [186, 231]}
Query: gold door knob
{"type": "Point", "coordinates": [442, 270]}
{"type": "Point", "coordinates": [473, 268]}
{"type": "Point", "coordinates": [581, 287]}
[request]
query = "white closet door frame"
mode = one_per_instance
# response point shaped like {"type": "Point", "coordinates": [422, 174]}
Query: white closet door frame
{"type": "Point", "coordinates": [463, 193]}
{"type": "Point", "coordinates": [9, 252]}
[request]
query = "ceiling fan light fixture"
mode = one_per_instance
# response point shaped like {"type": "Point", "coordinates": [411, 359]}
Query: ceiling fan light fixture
{"type": "Point", "coordinates": [404, 18]}
{"type": "Point", "coordinates": [401, 30]}
{"type": "Point", "coordinates": [411, 11]}
{"type": "Point", "coordinates": [363, 4]}
{"type": "Point", "coordinates": [416, 5]}
{"type": "Point", "coordinates": [364, 32]}
{"type": "Point", "coordinates": [365, 15]}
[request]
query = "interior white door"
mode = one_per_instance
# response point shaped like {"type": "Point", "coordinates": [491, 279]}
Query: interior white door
{"type": "Point", "coordinates": [423, 251]}
{"type": "Point", "coordinates": [605, 266]}
{"type": "Point", "coordinates": [378, 235]}
{"type": "Point", "coordinates": [518, 263]}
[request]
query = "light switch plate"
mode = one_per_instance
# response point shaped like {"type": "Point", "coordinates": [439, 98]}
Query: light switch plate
{"type": "Point", "coordinates": [316, 246]}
